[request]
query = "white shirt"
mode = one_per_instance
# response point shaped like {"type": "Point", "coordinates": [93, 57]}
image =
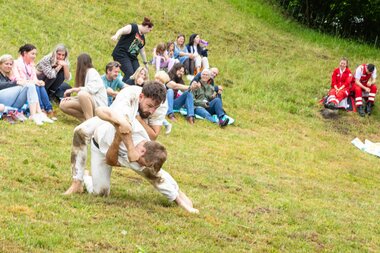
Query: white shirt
{"type": "Point", "coordinates": [359, 73]}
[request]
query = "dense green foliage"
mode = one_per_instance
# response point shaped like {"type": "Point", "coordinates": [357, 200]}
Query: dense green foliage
{"type": "Point", "coordinates": [357, 19]}
{"type": "Point", "coordinates": [281, 179]}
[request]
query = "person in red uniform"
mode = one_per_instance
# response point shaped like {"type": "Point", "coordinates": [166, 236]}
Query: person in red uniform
{"type": "Point", "coordinates": [340, 84]}
{"type": "Point", "coordinates": [365, 79]}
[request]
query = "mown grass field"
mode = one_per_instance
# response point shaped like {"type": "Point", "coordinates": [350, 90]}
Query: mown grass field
{"type": "Point", "coordinates": [282, 179]}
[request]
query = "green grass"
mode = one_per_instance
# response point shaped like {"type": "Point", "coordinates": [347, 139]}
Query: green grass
{"type": "Point", "coordinates": [281, 179]}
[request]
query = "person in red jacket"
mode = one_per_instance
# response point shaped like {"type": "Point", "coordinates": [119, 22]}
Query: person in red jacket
{"type": "Point", "coordinates": [340, 84]}
{"type": "Point", "coordinates": [365, 79]}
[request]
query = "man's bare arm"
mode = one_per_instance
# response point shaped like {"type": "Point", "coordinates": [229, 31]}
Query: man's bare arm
{"type": "Point", "coordinates": [153, 131]}
{"type": "Point", "coordinates": [113, 151]}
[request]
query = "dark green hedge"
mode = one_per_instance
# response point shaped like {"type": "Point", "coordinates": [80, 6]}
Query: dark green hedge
{"type": "Point", "coordinates": [357, 19]}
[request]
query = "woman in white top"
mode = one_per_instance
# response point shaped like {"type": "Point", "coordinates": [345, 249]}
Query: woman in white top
{"type": "Point", "coordinates": [90, 90]}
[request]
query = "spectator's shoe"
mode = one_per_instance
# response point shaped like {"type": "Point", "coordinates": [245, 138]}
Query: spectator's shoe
{"type": "Point", "coordinates": [224, 122]}
{"type": "Point", "coordinates": [190, 120]}
{"type": "Point", "coordinates": [361, 111]}
{"type": "Point", "coordinates": [369, 108]}
{"type": "Point", "coordinates": [17, 116]}
{"type": "Point", "coordinates": [168, 128]}
{"type": "Point", "coordinates": [331, 106]}
{"type": "Point", "coordinates": [36, 119]}
{"type": "Point", "coordinates": [44, 118]}
{"type": "Point", "coordinates": [172, 117]}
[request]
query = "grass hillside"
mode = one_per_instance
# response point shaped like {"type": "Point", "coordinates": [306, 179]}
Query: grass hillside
{"type": "Point", "coordinates": [280, 179]}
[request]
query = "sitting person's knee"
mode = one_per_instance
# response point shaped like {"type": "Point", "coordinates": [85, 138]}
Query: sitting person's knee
{"type": "Point", "coordinates": [83, 94]}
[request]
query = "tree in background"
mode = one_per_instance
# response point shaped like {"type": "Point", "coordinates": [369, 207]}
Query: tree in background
{"type": "Point", "coordinates": [357, 19]}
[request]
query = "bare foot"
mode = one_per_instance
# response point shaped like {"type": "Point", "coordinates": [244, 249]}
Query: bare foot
{"type": "Point", "coordinates": [76, 187]}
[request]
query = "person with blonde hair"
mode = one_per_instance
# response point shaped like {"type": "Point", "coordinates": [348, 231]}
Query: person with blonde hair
{"type": "Point", "coordinates": [90, 89]}
{"type": "Point", "coordinates": [16, 93]}
{"type": "Point", "coordinates": [139, 77]}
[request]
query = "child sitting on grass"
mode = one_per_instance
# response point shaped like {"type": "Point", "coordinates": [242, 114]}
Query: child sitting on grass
{"type": "Point", "coordinates": [161, 58]}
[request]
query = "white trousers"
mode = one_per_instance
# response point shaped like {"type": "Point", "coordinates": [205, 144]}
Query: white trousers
{"type": "Point", "coordinates": [82, 137]}
{"type": "Point", "coordinates": [201, 62]}
{"type": "Point", "coordinates": [101, 176]}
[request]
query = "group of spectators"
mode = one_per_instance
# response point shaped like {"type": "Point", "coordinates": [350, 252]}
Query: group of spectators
{"type": "Point", "coordinates": [35, 86]}
{"type": "Point", "coordinates": [361, 87]}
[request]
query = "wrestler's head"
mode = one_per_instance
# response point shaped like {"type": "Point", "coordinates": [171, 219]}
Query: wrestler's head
{"type": "Point", "coordinates": [152, 156]}
{"type": "Point", "coordinates": [152, 96]}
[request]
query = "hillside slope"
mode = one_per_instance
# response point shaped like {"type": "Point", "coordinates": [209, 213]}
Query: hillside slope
{"type": "Point", "coordinates": [280, 179]}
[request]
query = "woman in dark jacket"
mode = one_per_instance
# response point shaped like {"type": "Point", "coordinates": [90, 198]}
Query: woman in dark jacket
{"type": "Point", "coordinates": [200, 53]}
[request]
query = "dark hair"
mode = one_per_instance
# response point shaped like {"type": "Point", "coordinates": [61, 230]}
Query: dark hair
{"type": "Point", "coordinates": [26, 48]}
{"type": "Point", "coordinates": [160, 48]}
{"type": "Point", "coordinates": [370, 67]}
{"type": "Point", "coordinates": [154, 90]}
{"type": "Point", "coordinates": [173, 73]}
{"type": "Point", "coordinates": [84, 62]}
{"type": "Point", "coordinates": [191, 42]}
{"type": "Point", "coordinates": [168, 44]}
{"type": "Point", "coordinates": [111, 65]}
{"type": "Point", "coordinates": [147, 22]}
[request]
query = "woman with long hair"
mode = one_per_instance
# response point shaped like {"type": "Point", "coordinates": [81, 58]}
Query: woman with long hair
{"type": "Point", "coordinates": [16, 93]}
{"type": "Point", "coordinates": [24, 70]}
{"type": "Point", "coordinates": [182, 54]}
{"type": "Point", "coordinates": [340, 84]}
{"type": "Point", "coordinates": [90, 90]}
{"type": "Point", "coordinates": [130, 44]}
{"type": "Point", "coordinates": [200, 53]}
{"type": "Point", "coordinates": [175, 100]}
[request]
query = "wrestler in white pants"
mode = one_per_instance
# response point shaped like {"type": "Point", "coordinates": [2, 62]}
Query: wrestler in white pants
{"type": "Point", "coordinates": [101, 176]}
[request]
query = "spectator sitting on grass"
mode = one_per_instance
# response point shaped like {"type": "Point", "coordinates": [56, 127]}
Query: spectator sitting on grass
{"type": "Point", "coordinates": [111, 81]}
{"type": "Point", "coordinates": [53, 69]}
{"type": "Point", "coordinates": [214, 73]}
{"type": "Point", "coordinates": [17, 93]}
{"type": "Point", "coordinates": [90, 89]}
{"type": "Point", "coordinates": [161, 58]}
{"type": "Point", "coordinates": [176, 101]}
{"type": "Point", "coordinates": [194, 47]}
{"type": "Point", "coordinates": [24, 70]}
{"type": "Point", "coordinates": [182, 54]}
{"type": "Point", "coordinates": [139, 77]}
{"type": "Point", "coordinates": [206, 101]}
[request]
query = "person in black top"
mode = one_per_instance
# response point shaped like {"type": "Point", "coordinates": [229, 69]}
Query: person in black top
{"type": "Point", "coordinates": [130, 44]}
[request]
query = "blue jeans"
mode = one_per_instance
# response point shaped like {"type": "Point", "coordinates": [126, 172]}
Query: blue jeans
{"type": "Point", "coordinates": [43, 98]}
{"type": "Point", "coordinates": [186, 99]}
{"type": "Point", "coordinates": [215, 107]}
{"type": "Point", "coordinates": [18, 96]}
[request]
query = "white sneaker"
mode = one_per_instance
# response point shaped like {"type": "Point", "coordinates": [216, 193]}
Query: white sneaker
{"type": "Point", "coordinates": [36, 119]}
{"type": "Point", "coordinates": [168, 128]}
{"type": "Point", "coordinates": [45, 118]}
